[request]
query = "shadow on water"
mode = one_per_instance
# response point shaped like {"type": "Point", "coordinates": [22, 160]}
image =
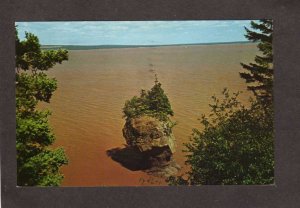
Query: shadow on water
{"type": "Point", "coordinates": [157, 162]}
{"type": "Point", "coordinates": [129, 157]}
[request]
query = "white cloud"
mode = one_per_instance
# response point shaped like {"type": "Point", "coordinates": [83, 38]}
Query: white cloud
{"type": "Point", "coordinates": [119, 32]}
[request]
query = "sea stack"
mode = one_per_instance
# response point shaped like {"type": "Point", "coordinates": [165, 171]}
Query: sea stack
{"type": "Point", "coordinates": [152, 137]}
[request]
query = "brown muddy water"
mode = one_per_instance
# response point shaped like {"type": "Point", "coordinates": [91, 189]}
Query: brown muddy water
{"type": "Point", "coordinates": [94, 85]}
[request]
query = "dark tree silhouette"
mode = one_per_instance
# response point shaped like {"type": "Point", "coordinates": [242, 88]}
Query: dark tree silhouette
{"type": "Point", "coordinates": [260, 75]}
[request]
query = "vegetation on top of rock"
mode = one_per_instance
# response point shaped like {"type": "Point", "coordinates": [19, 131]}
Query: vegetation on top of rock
{"type": "Point", "coordinates": [153, 103]}
{"type": "Point", "coordinates": [148, 131]}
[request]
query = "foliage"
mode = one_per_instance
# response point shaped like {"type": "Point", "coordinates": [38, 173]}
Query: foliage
{"type": "Point", "coordinates": [154, 103]}
{"type": "Point", "coordinates": [37, 163]}
{"type": "Point", "coordinates": [237, 143]}
{"type": "Point", "coordinates": [260, 74]}
{"type": "Point", "coordinates": [235, 147]}
{"type": "Point", "coordinates": [29, 55]}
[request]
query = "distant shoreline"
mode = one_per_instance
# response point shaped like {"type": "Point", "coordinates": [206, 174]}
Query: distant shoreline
{"type": "Point", "coordinates": [91, 47]}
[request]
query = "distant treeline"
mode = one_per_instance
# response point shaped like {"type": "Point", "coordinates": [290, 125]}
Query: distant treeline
{"type": "Point", "coordinates": [90, 47]}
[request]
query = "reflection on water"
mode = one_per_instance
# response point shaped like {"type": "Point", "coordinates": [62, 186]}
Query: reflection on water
{"type": "Point", "coordinates": [94, 85]}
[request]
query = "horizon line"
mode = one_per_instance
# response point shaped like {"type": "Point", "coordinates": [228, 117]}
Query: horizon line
{"type": "Point", "coordinates": [146, 44]}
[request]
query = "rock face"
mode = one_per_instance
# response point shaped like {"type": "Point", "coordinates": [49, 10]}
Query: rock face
{"type": "Point", "coordinates": [149, 135]}
{"type": "Point", "coordinates": [150, 146]}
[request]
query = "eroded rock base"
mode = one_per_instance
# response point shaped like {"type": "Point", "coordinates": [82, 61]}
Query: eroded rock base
{"type": "Point", "coordinates": [157, 162]}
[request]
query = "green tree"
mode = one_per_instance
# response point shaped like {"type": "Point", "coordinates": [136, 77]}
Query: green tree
{"type": "Point", "coordinates": [153, 102]}
{"type": "Point", "coordinates": [235, 147]}
{"type": "Point", "coordinates": [37, 163]}
{"type": "Point", "coordinates": [260, 75]}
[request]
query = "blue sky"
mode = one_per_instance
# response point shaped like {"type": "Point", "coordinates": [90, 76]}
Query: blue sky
{"type": "Point", "coordinates": [135, 32]}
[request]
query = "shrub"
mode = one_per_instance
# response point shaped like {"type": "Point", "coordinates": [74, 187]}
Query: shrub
{"type": "Point", "coordinates": [235, 147]}
{"type": "Point", "coordinates": [153, 102]}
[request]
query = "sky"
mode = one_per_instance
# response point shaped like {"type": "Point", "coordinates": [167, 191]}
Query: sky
{"type": "Point", "coordinates": [135, 32]}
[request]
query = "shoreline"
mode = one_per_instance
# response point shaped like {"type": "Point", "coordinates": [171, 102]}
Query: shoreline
{"type": "Point", "coordinates": [95, 47]}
